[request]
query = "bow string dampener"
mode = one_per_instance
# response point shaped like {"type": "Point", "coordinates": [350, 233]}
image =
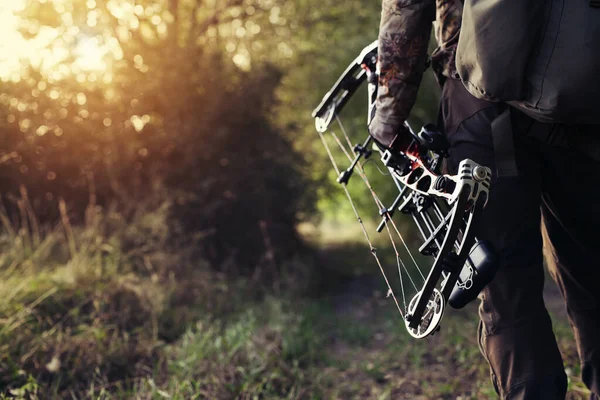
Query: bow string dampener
{"type": "Point", "coordinates": [444, 208]}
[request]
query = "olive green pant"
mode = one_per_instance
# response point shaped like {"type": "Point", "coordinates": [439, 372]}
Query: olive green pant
{"type": "Point", "coordinates": [557, 188]}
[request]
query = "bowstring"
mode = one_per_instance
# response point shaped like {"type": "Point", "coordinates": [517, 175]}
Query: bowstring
{"type": "Point", "coordinates": [380, 206]}
{"type": "Point", "coordinates": [377, 201]}
{"type": "Point", "coordinates": [407, 250]}
{"type": "Point", "coordinates": [400, 263]}
{"type": "Point", "coordinates": [364, 230]}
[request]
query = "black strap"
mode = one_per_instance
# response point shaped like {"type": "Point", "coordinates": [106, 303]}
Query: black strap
{"type": "Point", "coordinates": [504, 145]}
{"type": "Point", "coordinates": [595, 3]}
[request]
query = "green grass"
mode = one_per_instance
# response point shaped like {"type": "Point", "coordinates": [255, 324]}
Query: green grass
{"type": "Point", "coordinates": [94, 312]}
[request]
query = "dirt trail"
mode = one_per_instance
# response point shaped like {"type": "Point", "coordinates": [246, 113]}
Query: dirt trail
{"type": "Point", "coordinates": [355, 290]}
{"type": "Point", "coordinates": [381, 361]}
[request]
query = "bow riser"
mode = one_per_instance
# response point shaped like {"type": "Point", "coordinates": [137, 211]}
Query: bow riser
{"type": "Point", "coordinates": [467, 242]}
{"type": "Point", "coordinates": [471, 188]}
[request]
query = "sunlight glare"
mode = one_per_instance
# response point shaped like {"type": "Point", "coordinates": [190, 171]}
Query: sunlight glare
{"type": "Point", "coordinates": [11, 39]}
{"type": "Point", "coordinates": [52, 50]}
{"type": "Point", "coordinates": [90, 54]}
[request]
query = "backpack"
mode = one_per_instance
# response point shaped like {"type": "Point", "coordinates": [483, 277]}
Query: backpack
{"type": "Point", "coordinates": [540, 56]}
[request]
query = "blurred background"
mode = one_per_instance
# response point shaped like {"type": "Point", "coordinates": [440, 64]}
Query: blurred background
{"type": "Point", "coordinates": [170, 225]}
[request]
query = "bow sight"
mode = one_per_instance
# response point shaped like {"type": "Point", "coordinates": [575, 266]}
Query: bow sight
{"type": "Point", "coordinates": [445, 208]}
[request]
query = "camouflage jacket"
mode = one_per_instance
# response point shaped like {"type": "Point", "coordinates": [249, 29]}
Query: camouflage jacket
{"type": "Point", "coordinates": [403, 41]}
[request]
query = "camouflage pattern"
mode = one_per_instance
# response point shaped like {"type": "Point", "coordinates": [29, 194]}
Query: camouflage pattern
{"type": "Point", "coordinates": [404, 36]}
{"type": "Point", "coordinates": [447, 28]}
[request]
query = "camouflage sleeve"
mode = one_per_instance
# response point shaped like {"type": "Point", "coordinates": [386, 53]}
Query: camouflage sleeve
{"type": "Point", "coordinates": [403, 41]}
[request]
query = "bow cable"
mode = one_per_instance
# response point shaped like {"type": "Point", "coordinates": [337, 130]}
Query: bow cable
{"type": "Point", "coordinates": [372, 248]}
{"type": "Point", "coordinates": [428, 222]}
{"type": "Point", "coordinates": [377, 200]}
{"type": "Point", "coordinates": [425, 216]}
{"type": "Point", "coordinates": [380, 206]}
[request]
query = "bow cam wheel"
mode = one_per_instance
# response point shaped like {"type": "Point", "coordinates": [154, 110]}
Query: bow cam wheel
{"type": "Point", "coordinates": [431, 317]}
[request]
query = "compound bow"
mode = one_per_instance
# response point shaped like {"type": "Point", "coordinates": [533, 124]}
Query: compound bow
{"type": "Point", "coordinates": [445, 208]}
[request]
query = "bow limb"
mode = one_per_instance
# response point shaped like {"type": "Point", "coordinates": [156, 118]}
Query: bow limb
{"type": "Point", "coordinates": [458, 211]}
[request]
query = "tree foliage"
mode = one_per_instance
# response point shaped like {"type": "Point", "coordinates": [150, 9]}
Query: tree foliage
{"type": "Point", "coordinates": [209, 99]}
{"type": "Point", "coordinates": [152, 94]}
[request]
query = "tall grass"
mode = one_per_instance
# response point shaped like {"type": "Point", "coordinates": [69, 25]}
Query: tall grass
{"type": "Point", "coordinates": [88, 305]}
{"type": "Point", "coordinates": [112, 309]}
{"type": "Point", "coordinates": [109, 310]}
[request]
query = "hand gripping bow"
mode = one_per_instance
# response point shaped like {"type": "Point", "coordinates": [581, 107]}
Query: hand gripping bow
{"type": "Point", "coordinates": [444, 208]}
